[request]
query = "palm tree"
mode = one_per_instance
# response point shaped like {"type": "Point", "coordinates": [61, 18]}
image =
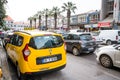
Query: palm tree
{"type": "Point", "coordinates": [30, 19]}
{"type": "Point", "coordinates": [55, 11]}
{"type": "Point", "coordinates": [46, 11]}
{"type": "Point", "coordinates": [2, 11]}
{"type": "Point", "coordinates": [69, 7]}
{"type": "Point", "coordinates": [35, 18]}
{"type": "Point", "coordinates": [40, 14]}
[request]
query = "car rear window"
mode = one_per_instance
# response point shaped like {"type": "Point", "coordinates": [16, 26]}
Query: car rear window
{"type": "Point", "coordinates": [43, 42]}
{"type": "Point", "coordinates": [85, 37]}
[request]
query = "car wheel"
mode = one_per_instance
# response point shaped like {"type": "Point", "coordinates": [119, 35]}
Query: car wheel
{"type": "Point", "coordinates": [108, 42]}
{"type": "Point", "coordinates": [76, 52]}
{"type": "Point", "coordinates": [20, 76]}
{"type": "Point", "coordinates": [106, 61]}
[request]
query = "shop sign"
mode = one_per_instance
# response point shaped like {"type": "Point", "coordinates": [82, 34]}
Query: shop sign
{"type": "Point", "coordinates": [104, 24]}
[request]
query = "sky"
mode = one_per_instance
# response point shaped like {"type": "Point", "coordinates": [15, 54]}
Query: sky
{"type": "Point", "coordinates": [21, 10]}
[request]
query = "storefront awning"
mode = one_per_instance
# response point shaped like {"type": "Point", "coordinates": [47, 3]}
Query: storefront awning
{"type": "Point", "coordinates": [106, 22]}
{"type": "Point", "coordinates": [91, 25]}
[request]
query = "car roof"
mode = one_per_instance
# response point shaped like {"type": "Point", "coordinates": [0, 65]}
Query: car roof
{"type": "Point", "coordinates": [79, 33]}
{"type": "Point", "coordinates": [36, 32]}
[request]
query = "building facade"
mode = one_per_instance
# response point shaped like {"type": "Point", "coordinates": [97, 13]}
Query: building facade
{"type": "Point", "coordinates": [86, 20]}
{"type": "Point", "coordinates": [110, 14]}
{"type": "Point", "coordinates": [9, 22]}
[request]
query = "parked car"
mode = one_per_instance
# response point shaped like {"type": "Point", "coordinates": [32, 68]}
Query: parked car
{"type": "Point", "coordinates": [62, 32]}
{"type": "Point", "coordinates": [95, 36]}
{"type": "Point", "coordinates": [75, 30]}
{"type": "Point", "coordinates": [6, 39]}
{"type": "Point", "coordinates": [36, 51]}
{"type": "Point", "coordinates": [78, 43]}
{"type": "Point", "coordinates": [108, 56]}
{"type": "Point", "coordinates": [109, 36]}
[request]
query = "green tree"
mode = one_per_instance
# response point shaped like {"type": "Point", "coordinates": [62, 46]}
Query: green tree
{"type": "Point", "coordinates": [56, 12]}
{"type": "Point", "coordinates": [69, 7]}
{"type": "Point", "coordinates": [2, 11]}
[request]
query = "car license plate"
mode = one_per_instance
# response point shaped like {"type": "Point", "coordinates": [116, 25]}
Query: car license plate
{"type": "Point", "coordinates": [90, 49]}
{"type": "Point", "coordinates": [51, 59]}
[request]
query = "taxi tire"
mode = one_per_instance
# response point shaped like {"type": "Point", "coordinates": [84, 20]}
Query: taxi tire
{"type": "Point", "coordinates": [19, 74]}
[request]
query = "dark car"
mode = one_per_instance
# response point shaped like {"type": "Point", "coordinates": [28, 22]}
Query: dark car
{"type": "Point", "coordinates": [6, 39]}
{"type": "Point", "coordinates": [78, 43]}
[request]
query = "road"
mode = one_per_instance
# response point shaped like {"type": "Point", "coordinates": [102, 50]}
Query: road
{"type": "Point", "coordinates": [82, 67]}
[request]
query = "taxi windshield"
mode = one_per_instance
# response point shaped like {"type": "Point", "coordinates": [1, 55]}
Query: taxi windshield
{"type": "Point", "coordinates": [43, 42]}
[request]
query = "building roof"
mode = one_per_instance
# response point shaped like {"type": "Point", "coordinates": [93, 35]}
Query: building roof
{"type": "Point", "coordinates": [8, 18]}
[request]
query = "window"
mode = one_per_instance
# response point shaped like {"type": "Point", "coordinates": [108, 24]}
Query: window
{"type": "Point", "coordinates": [85, 37]}
{"type": "Point", "coordinates": [76, 37]}
{"type": "Point", "coordinates": [43, 42]}
{"type": "Point", "coordinates": [70, 37]}
{"type": "Point", "coordinates": [16, 40]}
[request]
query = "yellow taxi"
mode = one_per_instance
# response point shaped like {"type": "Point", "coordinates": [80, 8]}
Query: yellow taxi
{"type": "Point", "coordinates": [34, 51]}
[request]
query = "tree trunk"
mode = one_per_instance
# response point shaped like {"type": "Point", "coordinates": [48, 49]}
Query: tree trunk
{"type": "Point", "coordinates": [40, 21]}
{"type": "Point", "coordinates": [46, 21]}
{"type": "Point", "coordinates": [55, 18]}
{"type": "Point", "coordinates": [68, 19]}
{"type": "Point", "coordinates": [35, 22]}
{"type": "Point", "coordinates": [30, 23]}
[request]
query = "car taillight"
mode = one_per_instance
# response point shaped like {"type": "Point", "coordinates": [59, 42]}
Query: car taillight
{"type": "Point", "coordinates": [26, 52]}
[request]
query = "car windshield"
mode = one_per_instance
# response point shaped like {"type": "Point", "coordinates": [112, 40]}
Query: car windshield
{"type": "Point", "coordinates": [43, 42]}
{"type": "Point", "coordinates": [95, 33]}
{"type": "Point", "coordinates": [116, 45]}
{"type": "Point", "coordinates": [85, 37]}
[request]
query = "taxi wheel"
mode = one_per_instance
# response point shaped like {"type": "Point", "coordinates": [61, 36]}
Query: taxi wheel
{"type": "Point", "coordinates": [106, 61]}
{"type": "Point", "coordinates": [75, 51]}
{"type": "Point", "coordinates": [20, 76]}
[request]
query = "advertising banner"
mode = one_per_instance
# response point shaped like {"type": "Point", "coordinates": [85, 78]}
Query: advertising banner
{"type": "Point", "coordinates": [116, 12]}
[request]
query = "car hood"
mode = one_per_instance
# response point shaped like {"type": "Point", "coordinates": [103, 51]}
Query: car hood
{"type": "Point", "coordinates": [107, 47]}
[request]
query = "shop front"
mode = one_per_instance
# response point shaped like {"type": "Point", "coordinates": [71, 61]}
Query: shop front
{"type": "Point", "coordinates": [104, 25]}
{"type": "Point", "coordinates": [91, 27]}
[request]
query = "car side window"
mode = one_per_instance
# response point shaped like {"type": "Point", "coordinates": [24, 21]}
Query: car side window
{"type": "Point", "coordinates": [16, 40]}
{"type": "Point", "coordinates": [19, 41]}
{"type": "Point", "coordinates": [70, 37]}
{"type": "Point", "coordinates": [13, 40]}
{"type": "Point", "coordinates": [76, 37]}
{"type": "Point", "coordinates": [118, 33]}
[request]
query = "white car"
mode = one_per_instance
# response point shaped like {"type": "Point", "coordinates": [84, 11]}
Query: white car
{"type": "Point", "coordinates": [108, 56]}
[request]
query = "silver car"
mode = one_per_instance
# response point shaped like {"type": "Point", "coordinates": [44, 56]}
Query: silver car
{"type": "Point", "coordinates": [108, 56]}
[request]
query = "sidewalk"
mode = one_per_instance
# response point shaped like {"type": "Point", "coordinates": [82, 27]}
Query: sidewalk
{"type": "Point", "coordinates": [4, 65]}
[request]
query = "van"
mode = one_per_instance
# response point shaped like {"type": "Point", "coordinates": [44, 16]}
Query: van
{"type": "Point", "coordinates": [109, 36]}
{"type": "Point", "coordinates": [34, 51]}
